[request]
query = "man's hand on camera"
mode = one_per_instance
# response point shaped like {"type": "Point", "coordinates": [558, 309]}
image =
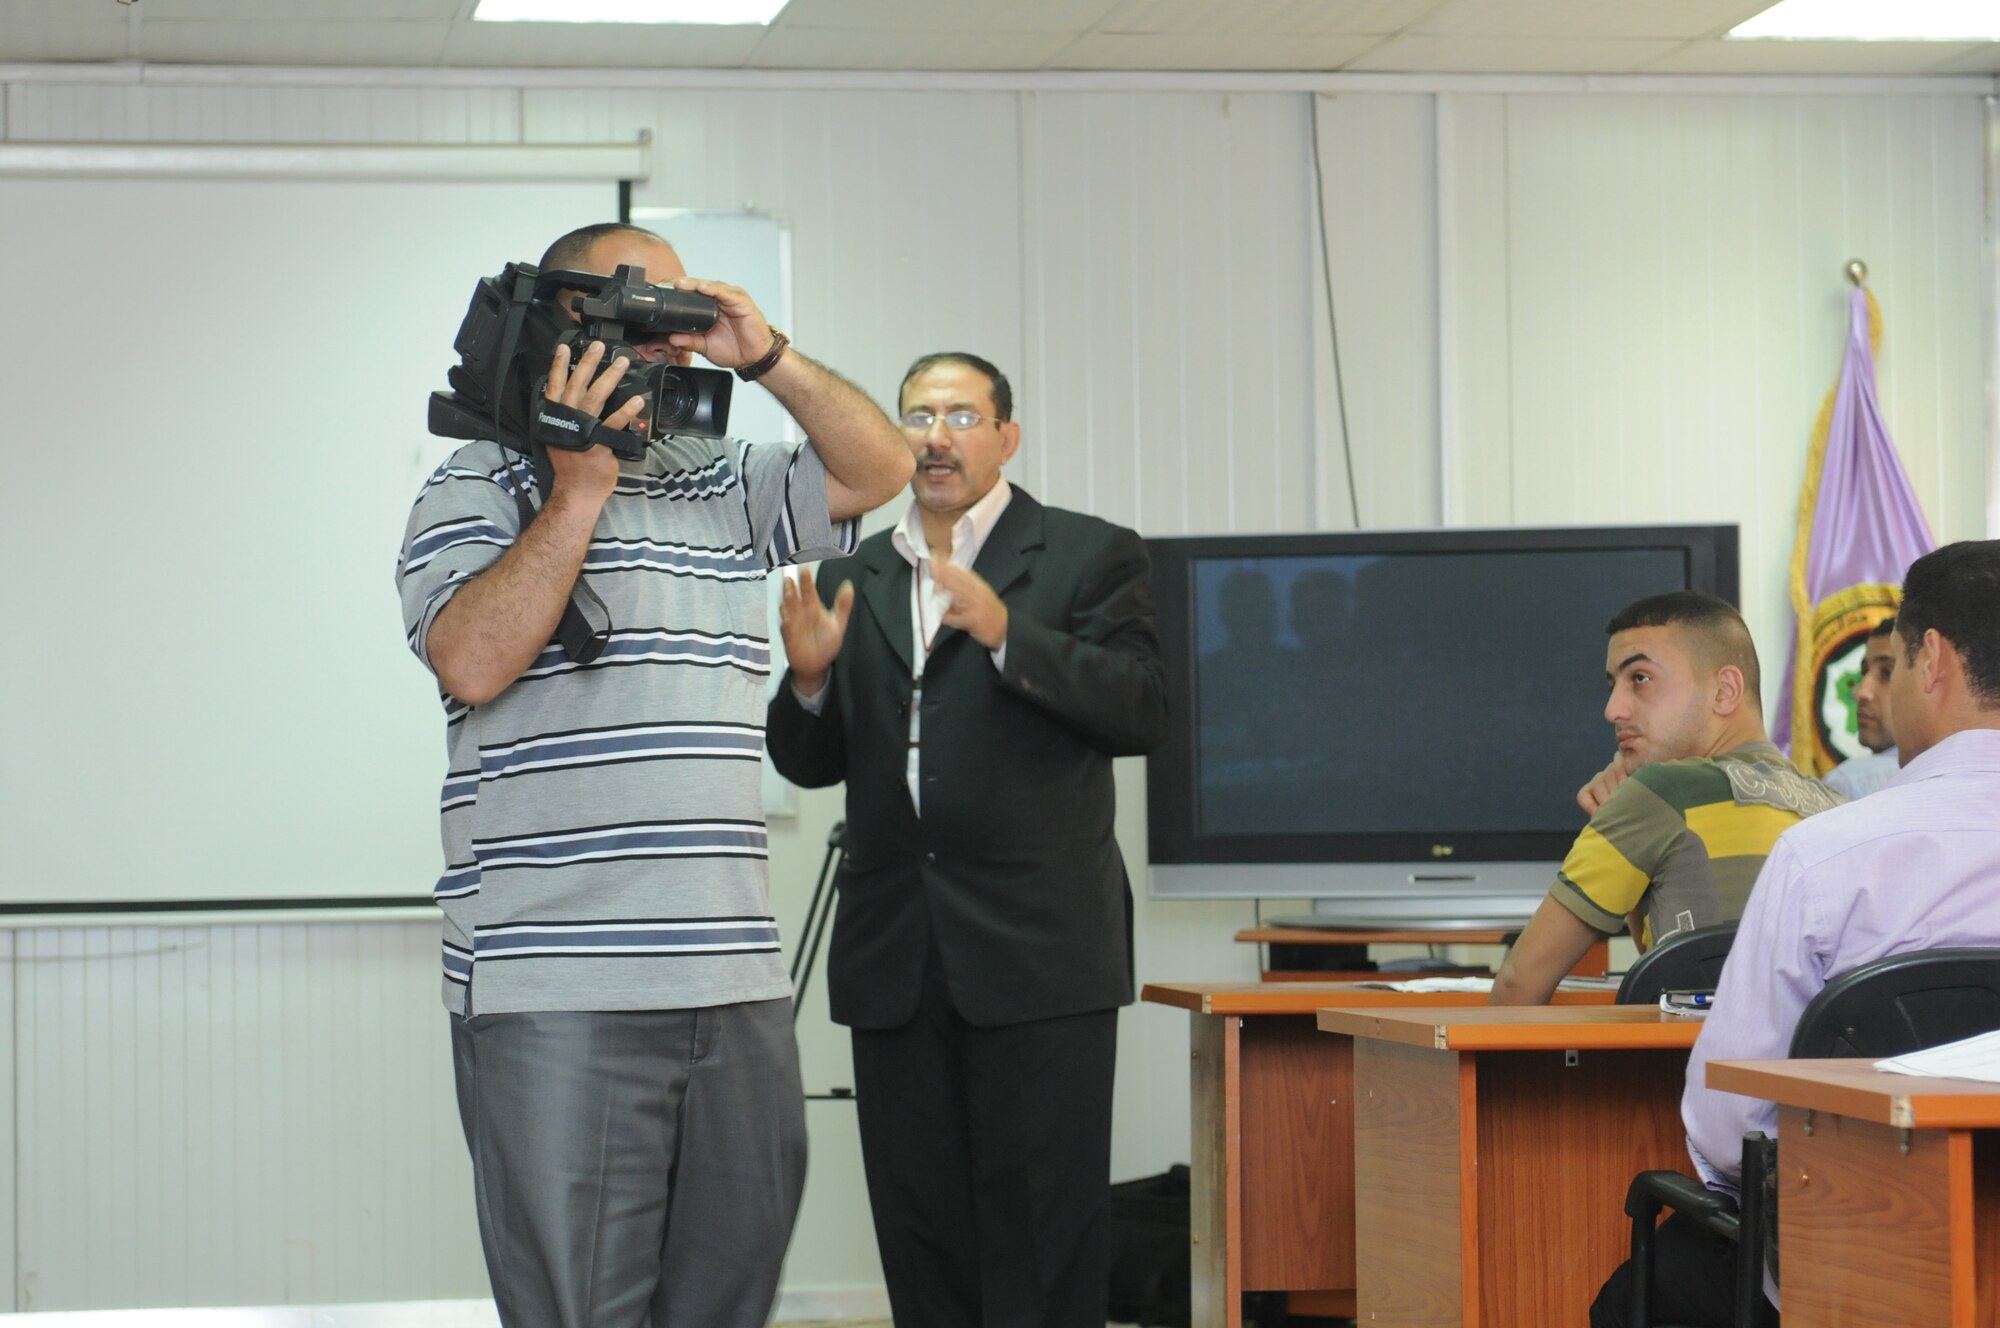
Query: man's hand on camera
{"type": "Point", "coordinates": [740, 335]}
{"type": "Point", "coordinates": [592, 474]}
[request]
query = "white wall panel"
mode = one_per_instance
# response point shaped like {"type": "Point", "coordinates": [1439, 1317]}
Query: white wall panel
{"type": "Point", "coordinates": [1172, 331]}
{"type": "Point", "coordinates": [10, 1136]}
{"type": "Point", "coordinates": [1475, 397]}
{"type": "Point", "coordinates": [255, 1114]}
{"type": "Point", "coordinates": [1677, 308]}
{"type": "Point", "coordinates": [1379, 168]}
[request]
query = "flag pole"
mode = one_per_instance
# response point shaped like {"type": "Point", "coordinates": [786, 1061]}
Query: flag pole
{"type": "Point", "coordinates": [1857, 272]}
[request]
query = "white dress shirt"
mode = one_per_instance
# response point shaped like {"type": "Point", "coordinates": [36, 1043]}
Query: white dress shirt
{"type": "Point", "coordinates": [1914, 867]}
{"type": "Point", "coordinates": [928, 602]}
{"type": "Point", "coordinates": [1859, 776]}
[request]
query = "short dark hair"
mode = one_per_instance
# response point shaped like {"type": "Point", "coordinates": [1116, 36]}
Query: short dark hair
{"type": "Point", "coordinates": [1883, 628]}
{"type": "Point", "coordinates": [1956, 592]}
{"type": "Point", "coordinates": [1714, 622]}
{"type": "Point", "coordinates": [569, 251]}
{"type": "Point", "coordinates": [1003, 395]}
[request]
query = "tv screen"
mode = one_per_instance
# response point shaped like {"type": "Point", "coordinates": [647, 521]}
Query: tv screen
{"type": "Point", "coordinates": [1393, 697]}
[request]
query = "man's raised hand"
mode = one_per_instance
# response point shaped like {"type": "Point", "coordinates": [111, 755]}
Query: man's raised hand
{"type": "Point", "coordinates": [812, 632]}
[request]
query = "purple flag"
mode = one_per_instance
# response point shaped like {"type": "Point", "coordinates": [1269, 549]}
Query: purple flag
{"type": "Point", "coordinates": [1859, 529]}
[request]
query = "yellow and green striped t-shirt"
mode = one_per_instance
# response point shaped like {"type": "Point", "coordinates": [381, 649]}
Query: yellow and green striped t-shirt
{"type": "Point", "coordinates": [1685, 840]}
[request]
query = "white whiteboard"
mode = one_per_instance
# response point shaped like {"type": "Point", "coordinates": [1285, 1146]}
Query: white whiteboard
{"type": "Point", "coordinates": [212, 401]}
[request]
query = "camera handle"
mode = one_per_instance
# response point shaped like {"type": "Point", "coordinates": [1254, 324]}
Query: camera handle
{"type": "Point", "coordinates": [585, 626]}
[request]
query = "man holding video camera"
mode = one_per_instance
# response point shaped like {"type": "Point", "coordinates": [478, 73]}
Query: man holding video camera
{"type": "Point", "coordinates": [621, 1018]}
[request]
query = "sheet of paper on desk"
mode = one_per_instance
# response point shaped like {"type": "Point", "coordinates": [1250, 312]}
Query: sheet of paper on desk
{"type": "Point", "coordinates": [1480, 984]}
{"type": "Point", "coordinates": [1975, 1057]}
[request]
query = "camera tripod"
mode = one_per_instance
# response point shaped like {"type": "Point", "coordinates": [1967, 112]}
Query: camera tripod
{"type": "Point", "coordinates": [818, 913]}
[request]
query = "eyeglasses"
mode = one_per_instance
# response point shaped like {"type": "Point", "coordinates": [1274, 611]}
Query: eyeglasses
{"type": "Point", "coordinates": [958, 421]}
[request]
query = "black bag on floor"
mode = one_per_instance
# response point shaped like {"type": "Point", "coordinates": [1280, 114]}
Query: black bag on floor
{"type": "Point", "coordinates": [1150, 1249]}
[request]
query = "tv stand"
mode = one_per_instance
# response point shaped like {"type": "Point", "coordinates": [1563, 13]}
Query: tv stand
{"type": "Point", "coordinates": [1594, 963]}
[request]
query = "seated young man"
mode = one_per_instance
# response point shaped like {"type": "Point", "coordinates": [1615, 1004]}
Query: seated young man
{"type": "Point", "coordinates": [1678, 844]}
{"type": "Point", "coordinates": [1913, 867]}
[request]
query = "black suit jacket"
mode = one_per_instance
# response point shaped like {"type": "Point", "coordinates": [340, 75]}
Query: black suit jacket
{"type": "Point", "coordinates": [1013, 864]}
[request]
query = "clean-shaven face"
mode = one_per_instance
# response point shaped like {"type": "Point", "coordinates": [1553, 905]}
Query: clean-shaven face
{"type": "Point", "coordinates": [1659, 705]}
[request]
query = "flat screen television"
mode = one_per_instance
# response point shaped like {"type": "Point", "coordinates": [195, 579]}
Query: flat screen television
{"type": "Point", "coordinates": [1393, 724]}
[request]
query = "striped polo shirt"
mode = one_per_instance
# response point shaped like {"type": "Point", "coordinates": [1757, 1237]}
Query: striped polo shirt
{"type": "Point", "coordinates": [1684, 840]}
{"type": "Point", "coordinates": [603, 824]}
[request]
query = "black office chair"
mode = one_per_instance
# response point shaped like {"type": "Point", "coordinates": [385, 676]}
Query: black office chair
{"type": "Point", "coordinates": [1890, 1007]}
{"type": "Point", "coordinates": [1903, 1004]}
{"type": "Point", "coordinates": [1690, 961]}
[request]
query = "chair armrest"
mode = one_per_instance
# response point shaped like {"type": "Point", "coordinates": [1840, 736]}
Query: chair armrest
{"type": "Point", "coordinates": [1652, 1190]}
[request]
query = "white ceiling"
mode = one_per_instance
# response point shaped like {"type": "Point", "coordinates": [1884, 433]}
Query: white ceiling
{"type": "Point", "coordinates": [1410, 36]}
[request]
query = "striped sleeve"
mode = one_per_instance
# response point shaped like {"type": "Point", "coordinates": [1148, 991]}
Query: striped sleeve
{"type": "Point", "coordinates": [785, 491]}
{"type": "Point", "coordinates": [1613, 862]}
{"type": "Point", "coordinates": [463, 520]}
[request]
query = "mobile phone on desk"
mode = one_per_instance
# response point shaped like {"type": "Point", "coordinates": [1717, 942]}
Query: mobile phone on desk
{"type": "Point", "coordinates": [1688, 1004]}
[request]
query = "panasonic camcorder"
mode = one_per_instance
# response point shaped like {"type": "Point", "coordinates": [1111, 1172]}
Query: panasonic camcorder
{"type": "Point", "coordinates": [510, 334]}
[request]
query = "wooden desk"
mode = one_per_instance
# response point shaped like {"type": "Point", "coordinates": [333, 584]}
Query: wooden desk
{"type": "Point", "coordinates": [1273, 1139]}
{"type": "Point", "coordinates": [1596, 960]}
{"type": "Point", "coordinates": [1889, 1208]}
{"type": "Point", "coordinates": [1492, 1151]}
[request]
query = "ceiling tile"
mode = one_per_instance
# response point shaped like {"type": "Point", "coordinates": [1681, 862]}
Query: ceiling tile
{"type": "Point", "coordinates": [1196, 51]}
{"type": "Point", "coordinates": [1232, 18]}
{"type": "Point", "coordinates": [313, 11]}
{"type": "Point", "coordinates": [1816, 57]}
{"type": "Point", "coordinates": [840, 48]}
{"type": "Point", "coordinates": [240, 41]}
{"type": "Point", "coordinates": [946, 15]}
{"type": "Point", "coordinates": [1417, 36]}
{"type": "Point", "coordinates": [586, 46]}
{"type": "Point", "coordinates": [1579, 19]}
{"type": "Point", "coordinates": [1509, 55]}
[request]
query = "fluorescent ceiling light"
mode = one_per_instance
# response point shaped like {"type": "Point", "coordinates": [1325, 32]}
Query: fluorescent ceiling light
{"type": "Point", "coordinates": [1875, 20]}
{"type": "Point", "coordinates": [628, 11]}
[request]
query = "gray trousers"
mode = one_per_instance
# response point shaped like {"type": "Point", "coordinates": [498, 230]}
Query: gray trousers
{"type": "Point", "coordinates": [634, 1168]}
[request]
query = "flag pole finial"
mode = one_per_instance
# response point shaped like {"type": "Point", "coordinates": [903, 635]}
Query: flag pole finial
{"type": "Point", "coordinates": [1857, 272]}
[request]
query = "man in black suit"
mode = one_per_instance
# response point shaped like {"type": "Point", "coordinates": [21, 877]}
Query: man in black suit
{"type": "Point", "coordinates": [1000, 654]}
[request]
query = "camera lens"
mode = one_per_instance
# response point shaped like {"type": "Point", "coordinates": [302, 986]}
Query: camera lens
{"type": "Point", "coordinates": [678, 403]}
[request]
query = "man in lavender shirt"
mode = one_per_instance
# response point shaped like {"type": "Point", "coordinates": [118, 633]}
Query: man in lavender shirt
{"type": "Point", "coordinates": [1914, 867]}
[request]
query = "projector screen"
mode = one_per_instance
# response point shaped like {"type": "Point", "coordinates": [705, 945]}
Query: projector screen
{"type": "Point", "coordinates": [214, 396]}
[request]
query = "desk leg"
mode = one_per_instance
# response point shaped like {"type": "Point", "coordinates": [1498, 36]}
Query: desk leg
{"type": "Point", "coordinates": [1864, 1227]}
{"type": "Point", "coordinates": [1215, 1175]}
